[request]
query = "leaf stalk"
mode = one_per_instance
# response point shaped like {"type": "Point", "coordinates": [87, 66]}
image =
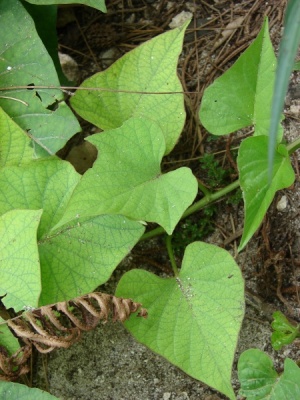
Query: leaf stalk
{"type": "Point", "coordinates": [293, 146]}
{"type": "Point", "coordinates": [196, 207]}
{"type": "Point", "coordinates": [171, 255]}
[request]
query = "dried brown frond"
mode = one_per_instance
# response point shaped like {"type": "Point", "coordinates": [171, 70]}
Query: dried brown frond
{"type": "Point", "coordinates": [11, 367]}
{"type": "Point", "coordinates": [60, 325]}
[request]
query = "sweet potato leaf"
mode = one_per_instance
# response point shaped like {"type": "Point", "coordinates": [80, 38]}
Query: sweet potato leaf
{"type": "Point", "coordinates": [126, 178]}
{"type": "Point", "coordinates": [151, 67]}
{"type": "Point", "coordinates": [25, 61]}
{"type": "Point", "coordinates": [193, 319]}
{"type": "Point", "coordinates": [254, 180]}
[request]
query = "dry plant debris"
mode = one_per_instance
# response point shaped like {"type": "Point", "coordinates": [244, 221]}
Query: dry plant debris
{"type": "Point", "coordinates": [60, 325]}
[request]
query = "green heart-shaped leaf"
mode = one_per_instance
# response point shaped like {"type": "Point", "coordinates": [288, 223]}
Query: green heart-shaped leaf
{"type": "Point", "coordinates": [151, 67]}
{"type": "Point", "coordinates": [195, 318]}
{"type": "Point", "coordinates": [79, 256]}
{"type": "Point", "coordinates": [242, 96]}
{"type": "Point", "coordinates": [259, 380]}
{"type": "Point", "coordinates": [126, 178]}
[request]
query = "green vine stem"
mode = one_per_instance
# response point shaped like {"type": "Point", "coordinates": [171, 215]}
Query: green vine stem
{"type": "Point", "coordinates": [171, 255]}
{"type": "Point", "coordinates": [196, 207]}
{"type": "Point", "coordinates": [211, 197]}
{"type": "Point", "coordinates": [292, 147]}
{"type": "Point", "coordinates": [203, 189]}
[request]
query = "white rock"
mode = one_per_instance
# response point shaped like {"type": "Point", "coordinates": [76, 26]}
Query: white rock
{"type": "Point", "coordinates": [180, 19]}
{"type": "Point", "coordinates": [70, 67]}
{"type": "Point", "coordinates": [108, 57]}
{"type": "Point", "coordinates": [282, 203]}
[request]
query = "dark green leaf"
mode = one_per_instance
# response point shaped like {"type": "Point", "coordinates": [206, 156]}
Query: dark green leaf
{"type": "Point", "coordinates": [99, 4]}
{"type": "Point", "coordinates": [25, 61]}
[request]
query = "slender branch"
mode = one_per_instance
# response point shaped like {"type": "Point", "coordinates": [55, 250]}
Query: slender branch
{"type": "Point", "coordinates": [210, 199]}
{"type": "Point", "coordinates": [171, 255]}
{"type": "Point", "coordinates": [196, 207]}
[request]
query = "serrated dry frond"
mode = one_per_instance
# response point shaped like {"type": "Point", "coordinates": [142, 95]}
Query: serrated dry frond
{"type": "Point", "coordinates": [60, 325]}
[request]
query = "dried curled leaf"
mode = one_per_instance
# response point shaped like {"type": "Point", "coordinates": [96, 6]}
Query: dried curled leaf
{"type": "Point", "coordinates": [11, 367]}
{"type": "Point", "coordinates": [60, 325]}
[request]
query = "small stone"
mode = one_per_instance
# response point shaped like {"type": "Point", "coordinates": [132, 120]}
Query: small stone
{"type": "Point", "coordinates": [70, 67]}
{"type": "Point", "coordinates": [180, 19]}
{"type": "Point", "coordinates": [295, 108]}
{"type": "Point", "coordinates": [282, 203]}
{"type": "Point", "coordinates": [108, 57]}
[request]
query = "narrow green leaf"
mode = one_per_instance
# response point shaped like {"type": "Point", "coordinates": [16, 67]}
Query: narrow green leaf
{"type": "Point", "coordinates": [242, 95]}
{"type": "Point", "coordinates": [7, 339]}
{"type": "Point", "coordinates": [16, 391]}
{"type": "Point", "coordinates": [25, 61]}
{"type": "Point", "coordinates": [254, 180]}
{"type": "Point", "coordinates": [83, 255]}
{"type": "Point", "coordinates": [259, 380]}
{"type": "Point", "coordinates": [20, 282]}
{"type": "Point", "coordinates": [15, 147]}
{"type": "Point", "coordinates": [151, 67]}
{"type": "Point", "coordinates": [98, 4]}
{"type": "Point", "coordinates": [194, 319]}
{"type": "Point", "coordinates": [287, 52]}
{"type": "Point", "coordinates": [126, 178]}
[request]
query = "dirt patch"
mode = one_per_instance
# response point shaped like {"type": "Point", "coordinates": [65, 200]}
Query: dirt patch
{"type": "Point", "coordinates": [108, 363]}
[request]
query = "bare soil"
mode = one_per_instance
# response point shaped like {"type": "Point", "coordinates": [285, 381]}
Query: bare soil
{"type": "Point", "coordinates": [107, 363]}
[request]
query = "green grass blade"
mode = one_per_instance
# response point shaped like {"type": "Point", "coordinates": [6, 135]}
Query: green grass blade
{"type": "Point", "coordinates": [287, 52]}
